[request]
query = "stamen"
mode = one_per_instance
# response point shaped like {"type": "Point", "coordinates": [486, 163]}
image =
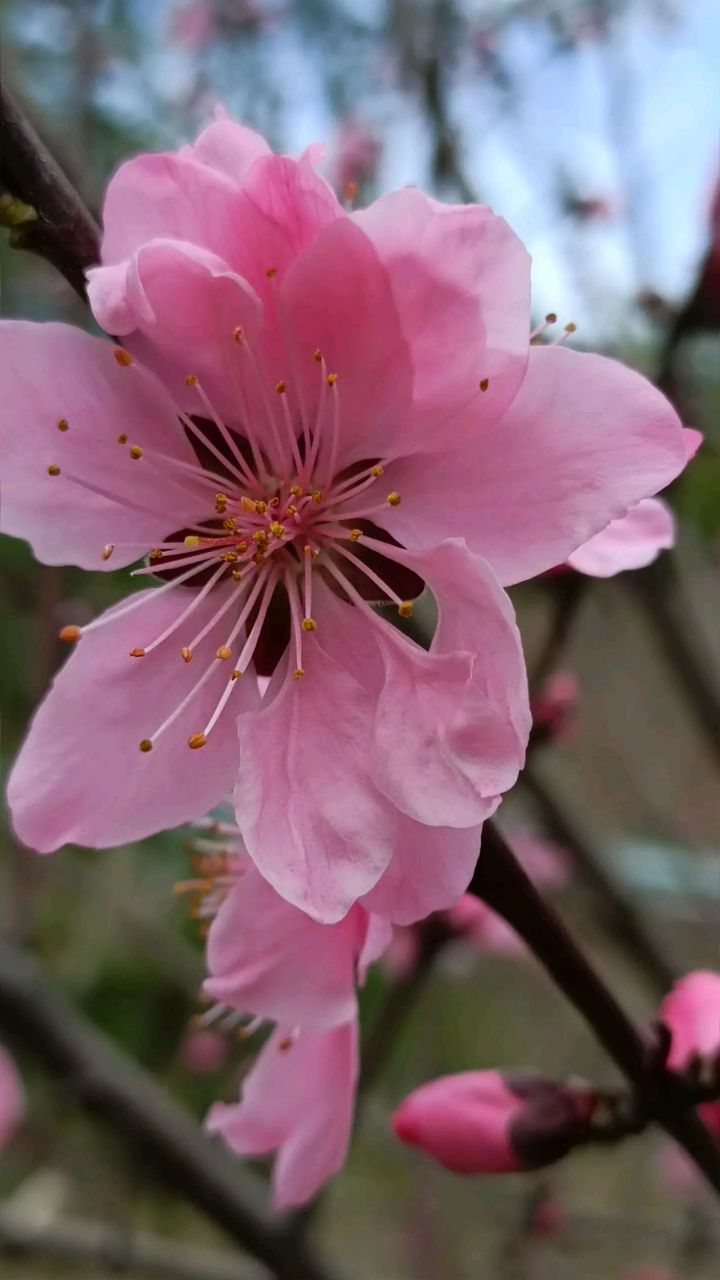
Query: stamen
{"type": "Point", "coordinates": [241, 471]}
{"type": "Point", "coordinates": [69, 634]}
{"type": "Point", "coordinates": [123, 357]}
{"type": "Point", "coordinates": [289, 428]}
{"type": "Point", "coordinates": [549, 320]}
{"type": "Point", "coordinates": [335, 429]}
{"type": "Point", "coordinates": [245, 656]}
{"type": "Point", "coordinates": [196, 600]}
{"type": "Point", "coordinates": [142, 597]}
{"type": "Point", "coordinates": [281, 457]}
{"type": "Point", "coordinates": [404, 606]}
{"type": "Point", "coordinates": [63, 424]}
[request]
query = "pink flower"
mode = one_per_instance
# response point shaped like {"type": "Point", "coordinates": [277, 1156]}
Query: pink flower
{"type": "Point", "coordinates": [555, 705]}
{"type": "Point", "coordinates": [319, 408]}
{"type": "Point", "coordinates": [12, 1099]}
{"type": "Point", "coordinates": [356, 157]}
{"type": "Point", "coordinates": [297, 1101]}
{"type": "Point", "coordinates": [691, 1012]}
{"type": "Point", "coordinates": [484, 1122]}
{"type": "Point", "coordinates": [203, 1052]}
{"type": "Point", "coordinates": [268, 958]}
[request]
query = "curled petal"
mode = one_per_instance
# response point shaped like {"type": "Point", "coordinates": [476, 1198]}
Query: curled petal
{"type": "Point", "coordinates": [632, 541]}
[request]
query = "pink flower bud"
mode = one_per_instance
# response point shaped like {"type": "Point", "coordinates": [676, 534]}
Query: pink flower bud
{"type": "Point", "coordinates": [12, 1101]}
{"type": "Point", "coordinates": [691, 1012]}
{"type": "Point", "coordinates": [484, 1122]}
{"type": "Point", "coordinates": [203, 1052]}
{"type": "Point", "coordinates": [555, 706]}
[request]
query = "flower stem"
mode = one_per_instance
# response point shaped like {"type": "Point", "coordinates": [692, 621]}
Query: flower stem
{"type": "Point", "coordinates": [501, 882]}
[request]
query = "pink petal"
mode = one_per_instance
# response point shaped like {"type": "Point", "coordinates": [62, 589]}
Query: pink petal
{"type": "Point", "coordinates": [12, 1099]}
{"type": "Point", "coordinates": [337, 299]}
{"type": "Point", "coordinates": [52, 373]}
{"type": "Point", "coordinates": [631, 542]}
{"type": "Point", "coordinates": [430, 868]}
{"type": "Point", "coordinates": [377, 940]}
{"type": "Point", "coordinates": [313, 822]}
{"type": "Point", "coordinates": [460, 281]}
{"type": "Point", "coordinates": [80, 775]}
{"type": "Point", "coordinates": [183, 304]}
{"type": "Point", "coordinates": [693, 440]}
{"type": "Point", "coordinates": [584, 440]}
{"type": "Point", "coordinates": [267, 957]}
{"type": "Point", "coordinates": [300, 1102]}
{"type": "Point", "coordinates": [461, 711]}
{"type": "Point", "coordinates": [229, 147]}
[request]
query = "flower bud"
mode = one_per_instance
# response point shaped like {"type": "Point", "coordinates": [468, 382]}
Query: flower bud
{"type": "Point", "coordinates": [485, 1122]}
{"type": "Point", "coordinates": [554, 707]}
{"type": "Point", "coordinates": [691, 1013]}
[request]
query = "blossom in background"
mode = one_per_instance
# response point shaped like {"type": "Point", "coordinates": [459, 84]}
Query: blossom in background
{"type": "Point", "coordinates": [357, 152]}
{"type": "Point", "coordinates": [489, 1122]}
{"type": "Point", "coordinates": [12, 1099]}
{"type": "Point", "coordinates": [554, 706]}
{"type": "Point", "coordinates": [691, 1013]}
{"type": "Point", "coordinates": [313, 409]}
{"type": "Point", "coordinates": [269, 959]}
{"type": "Point", "coordinates": [203, 1052]}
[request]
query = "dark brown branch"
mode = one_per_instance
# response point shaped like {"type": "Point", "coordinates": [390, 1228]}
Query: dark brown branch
{"type": "Point", "coordinates": [94, 1244]}
{"type": "Point", "coordinates": [62, 229]}
{"type": "Point", "coordinates": [619, 914]}
{"type": "Point", "coordinates": [119, 1091]}
{"type": "Point", "coordinates": [501, 882]}
{"type": "Point", "coordinates": [658, 590]}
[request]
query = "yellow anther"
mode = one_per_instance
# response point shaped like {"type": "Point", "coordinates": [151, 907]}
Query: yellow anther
{"type": "Point", "coordinates": [331, 379]}
{"type": "Point", "coordinates": [230, 523]}
{"type": "Point", "coordinates": [53, 470]}
{"type": "Point", "coordinates": [354, 534]}
{"type": "Point", "coordinates": [146, 745]}
{"type": "Point", "coordinates": [258, 557]}
{"type": "Point", "coordinates": [280, 388]}
{"type": "Point", "coordinates": [270, 272]}
{"type": "Point", "coordinates": [260, 536]}
{"type": "Point", "coordinates": [571, 327]}
{"type": "Point", "coordinates": [242, 545]}
{"type": "Point", "coordinates": [69, 634]}
{"type": "Point", "coordinates": [484, 384]}
{"type": "Point", "coordinates": [239, 334]}
{"type": "Point", "coordinates": [63, 424]}
{"type": "Point", "coordinates": [318, 495]}
{"type": "Point", "coordinates": [247, 504]}
{"type": "Point", "coordinates": [137, 653]}
{"type": "Point", "coordinates": [224, 652]}
{"type": "Point", "coordinates": [295, 490]}
{"type": "Point", "coordinates": [261, 507]}
{"type": "Point", "coordinates": [317, 355]}
{"type": "Point", "coordinates": [122, 438]}
{"type": "Point", "coordinates": [191, 540]}
{"type": "Point", "coordinates": [309, 624]}
{"type": "Point", "coordinates": [123, 357]}
{"type": "Point", "coordinates": [298, 673]}
{"type": "Point", "coordinates": [196, 740]}
{"type": "Point", "coordinates": [292, 509]}
{"type": "Point", "coordinates": [230, 557]}
{"type": "Point", "coordinates": [277, 529]}
{"type": "Point", "coordinates": [235, 675]}
{"type": "Point", "coordinates": [377, 470]}
{"type": "Point", "coordinates": [406, 609]}
{"type": "Point", "coordinates": [394, 498]}
{"type": "Point", "coordinates": [550, 317]}
{"type": "Point", "coordinates": [236, 574]}
{"type": "Point", "coordinates": [186, 653]}
{"type": "Point", "coordinates": [221, 501]}
{"type": "Point", "coordinates": [274, 503]}
{"type": "Point", "coordinates": [191, 380]}
{"type": "Point", "coordinates": [135, 452]}
{"type": "Point", "coordinates": [155, 554]}
{"type": "Point", "coordinates": [107, 551]}
{"type": "Point", "coordinates": [307, 549]}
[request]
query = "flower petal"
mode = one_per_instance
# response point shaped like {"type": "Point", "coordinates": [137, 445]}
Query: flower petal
{"type": "Point", "coordinates": [584, 440]}
{"type": "Point", "coordinates": [300, 1101]}
{"type": "Point", "coordinates": [430, 868]}
{"type": "Point", "coordinates": [229, 147]}
{"type": "Point", "coordinates": [460, 281]}
{"type": "Point", "coordinates": [80, 775]}
{"type": "Point", "coordinates": [631, 542]}
{"type": "Point", "coordinates": [314, 823]}
{"type": "Point", "coordinates": [267, 957]}
{"type": "Point", "coordinates": [56, 376]}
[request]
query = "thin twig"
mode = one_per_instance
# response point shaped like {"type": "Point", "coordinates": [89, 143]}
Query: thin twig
{"type": "Point", "coordinates": [501, 882]}
{"type": "Point", "coordinates": [117, 1089]}
{"type": "Point", "coordinates": [96, 1244]}
{"type": "Point", "coordinates": [62, 229]}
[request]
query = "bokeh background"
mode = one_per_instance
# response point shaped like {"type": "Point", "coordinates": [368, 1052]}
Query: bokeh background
{"type": "Point", "coordinates": [591, 125]}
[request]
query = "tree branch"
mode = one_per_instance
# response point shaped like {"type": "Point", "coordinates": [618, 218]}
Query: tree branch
{"type": "Point", "coordinates": [129, 1100]}
{"type": "Point", "coordinates": [95, 1244]}
{"type": "Point", "coordinates": [55, 222]}
{"type": "Point", "coordinates": [501, 882]}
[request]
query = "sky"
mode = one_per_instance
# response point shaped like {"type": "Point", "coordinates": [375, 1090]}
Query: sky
{"type": "Point", "coordinates": [633, 122]}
